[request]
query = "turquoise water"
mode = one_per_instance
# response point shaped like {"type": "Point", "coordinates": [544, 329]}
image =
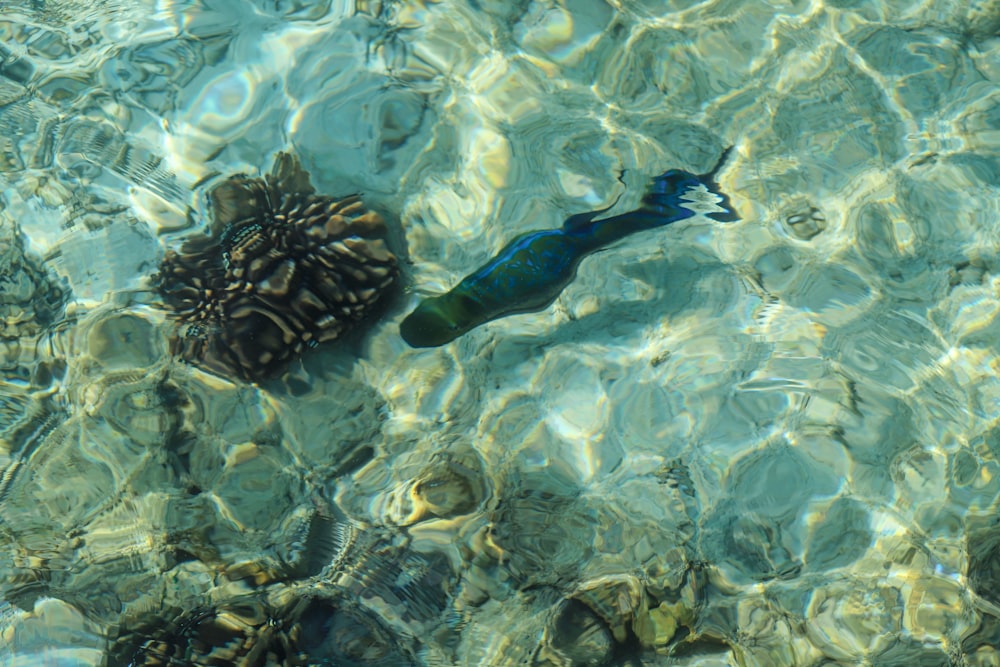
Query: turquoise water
{"type": "Point", "coordinates": [769, 442]}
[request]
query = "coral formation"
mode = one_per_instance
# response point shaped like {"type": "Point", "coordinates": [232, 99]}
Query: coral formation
{"type": "Point", "coordinates": [283, 269]}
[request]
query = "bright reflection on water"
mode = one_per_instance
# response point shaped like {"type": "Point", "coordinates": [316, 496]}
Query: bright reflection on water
{"type": "Point", "coordinates": [770, 442]}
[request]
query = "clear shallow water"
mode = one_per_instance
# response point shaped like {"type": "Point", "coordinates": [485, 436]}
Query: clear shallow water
{"type": "Point", "coordinates": [772, 442]}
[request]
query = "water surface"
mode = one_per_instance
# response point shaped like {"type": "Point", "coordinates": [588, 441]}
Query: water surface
{"type": "Point", "coordinates": [772, 442]}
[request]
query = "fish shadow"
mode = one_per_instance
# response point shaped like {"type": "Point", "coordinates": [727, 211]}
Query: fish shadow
{"type": "Point", "coordinates": [680, 286]}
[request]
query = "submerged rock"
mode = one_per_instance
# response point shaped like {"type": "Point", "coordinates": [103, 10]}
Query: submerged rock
{"type": "Point", "coordinates": [31, 299]}
{"type": "Point", "coordinates": [284, 630]}
{"type": "Point", "coordinates": [283, 269]}
{"type": "Point", "coordinates": [373, 601]}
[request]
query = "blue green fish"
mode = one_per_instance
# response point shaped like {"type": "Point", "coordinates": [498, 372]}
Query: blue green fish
{"type": "Point", "coordinates": [531, 271]}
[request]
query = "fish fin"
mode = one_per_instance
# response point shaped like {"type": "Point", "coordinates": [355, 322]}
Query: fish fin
{"type": "Point", "coordinates": [710, 175]}
{"type": "Point", "coordinates": [581, 220]}
{"type": "Point", "coordinates": [708, 179]}
{"type": "Point", "coordinates": [727, 215]}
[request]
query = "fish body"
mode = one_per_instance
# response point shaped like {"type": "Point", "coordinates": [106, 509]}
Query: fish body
{"type": "Point", "coordinates": [530, 272]}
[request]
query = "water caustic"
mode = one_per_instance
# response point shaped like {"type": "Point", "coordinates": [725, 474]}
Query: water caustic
{"type": "Point", "coordinates": [771, 442]}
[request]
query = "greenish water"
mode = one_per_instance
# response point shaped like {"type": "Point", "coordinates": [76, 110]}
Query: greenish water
{"type": "Point", "coordinates": [770, 442]}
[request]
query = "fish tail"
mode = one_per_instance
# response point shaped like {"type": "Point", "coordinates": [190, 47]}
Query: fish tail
{"type": "Point", "coordinates": [728, 212]}
{"type": "Point", "coordinates": [674, 195]}
{"type": "Point", "coordinates": [677, 194]}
